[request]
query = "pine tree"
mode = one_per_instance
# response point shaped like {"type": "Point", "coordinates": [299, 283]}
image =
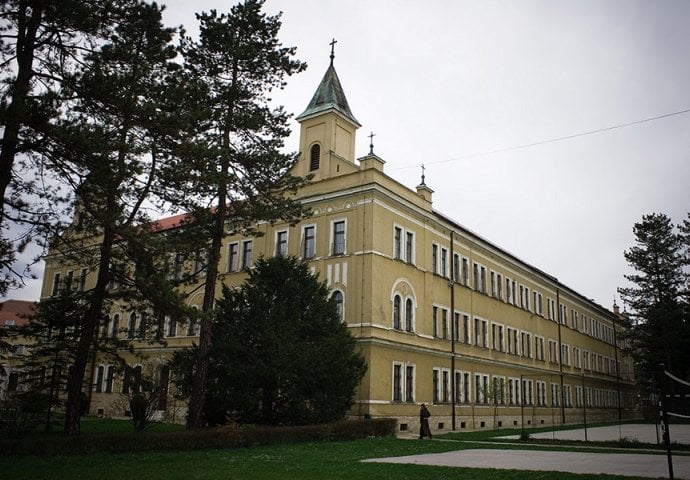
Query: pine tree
{"type": "Point", "coordinates": [281, 353]}
{"type": "Point", "coordinates": [660, 331]}
{"type": "Point", "coordinates": [233, 156]}
{"type": "Point", "coordinates": [40, 43]}
{"type": "Point", "coordinates": [109, 147]}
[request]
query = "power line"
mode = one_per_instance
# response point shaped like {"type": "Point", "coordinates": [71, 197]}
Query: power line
{"type": "Point", "coordinates": [552, 140]}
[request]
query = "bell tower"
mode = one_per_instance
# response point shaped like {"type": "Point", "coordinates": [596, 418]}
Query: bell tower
{"type": "Point", "coordinates": [327, 131]}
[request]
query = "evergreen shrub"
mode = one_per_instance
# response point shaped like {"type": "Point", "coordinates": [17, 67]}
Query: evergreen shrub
{"type": "Point", "coordinates": [222, 437]}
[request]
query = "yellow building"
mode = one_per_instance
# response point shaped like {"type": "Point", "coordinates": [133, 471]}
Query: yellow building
{"type": "Point", "coordinates": [442, 316]}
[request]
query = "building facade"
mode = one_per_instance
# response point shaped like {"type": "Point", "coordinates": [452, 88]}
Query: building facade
{"type": "Point", "coordinates": [442, 316]}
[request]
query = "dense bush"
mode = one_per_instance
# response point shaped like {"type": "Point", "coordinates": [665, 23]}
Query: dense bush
{"type": "Point", "coordinates": [22, 412]}
{"type": "Point", "coordinates": [223, 437]}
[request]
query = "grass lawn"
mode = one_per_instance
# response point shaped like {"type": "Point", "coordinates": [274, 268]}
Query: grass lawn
{"type": "Point", "coordinates": [328, 460]}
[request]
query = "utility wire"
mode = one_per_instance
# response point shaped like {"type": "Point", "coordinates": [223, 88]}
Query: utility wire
{"type": "Point", "coordinates": [552, 140]}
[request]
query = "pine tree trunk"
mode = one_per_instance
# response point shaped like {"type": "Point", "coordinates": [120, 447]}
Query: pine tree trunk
{"type": "Point", "coordinates": [86, 338]}
{"type": "Point", "coordinates": [196, 401]}
{"type": "Point", "coordinates": [16, 111]}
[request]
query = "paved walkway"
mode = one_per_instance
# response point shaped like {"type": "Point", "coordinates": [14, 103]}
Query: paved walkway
{"type": "Point", "coordinates": [637, 464]}
{"type": "Point", "coordinates": [645, 433]}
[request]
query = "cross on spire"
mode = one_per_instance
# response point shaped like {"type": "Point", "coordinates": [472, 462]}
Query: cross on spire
{"type": "Point", "coordinates": [371, 143]}
{"type": "Point", "coordinates": [423, 168]}
{"type": "Point", "coordinates": [332, 44]}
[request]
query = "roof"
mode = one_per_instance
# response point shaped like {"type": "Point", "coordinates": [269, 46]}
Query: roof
{"type": "Point", "coordinates": [168, 223]}
{"type": "Point", "coordinates": [329, 96]}
{"type": "Point", "coordinates": [16, 312]}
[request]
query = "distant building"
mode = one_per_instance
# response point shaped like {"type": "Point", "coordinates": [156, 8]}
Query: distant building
{"type": "Point", "coordinates": [442, 315]}
{"type": "Point", "coordinates": [14, 314]}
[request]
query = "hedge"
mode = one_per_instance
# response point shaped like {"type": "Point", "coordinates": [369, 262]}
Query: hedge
{"type": "Point", "coordinates": [222, 437]}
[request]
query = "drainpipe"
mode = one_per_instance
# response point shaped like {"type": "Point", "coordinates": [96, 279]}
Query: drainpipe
{"type": "Point", "coordinates": [451, 285]}
{"type": "Point", "coordinates": [560, 356]}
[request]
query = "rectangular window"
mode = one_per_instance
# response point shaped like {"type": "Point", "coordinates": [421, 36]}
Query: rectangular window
{"type": "Point", "coordinates": [69, 278]}
{"type": "Point", "coordinates": [444, 322]}
{"type": "Point", "coordinates": [171, 326]}
{"type": "Point", "coordinates": [555, 395]}
{"type": "Point", "coordinates": [397, 243]}
{"type": "Point", "coordinates": [444, 262]}
{"type": "Point", "coordinates": [436, 385]}
{"type": "Point", "coordinates": [397, 382]}
{"type": "Point", "coordinates": [566, 396]}
{"type": "Point", "coordinates": [247, 254]}
{"type": "Point", "coordinates": [455, 273]}
{"type": "Point", "coordinates": [563, 314]}
{"type": "Point", "coordinates": [466, 329]}
{"type": "Point", "coordinates": [456, 327]}
{"type": "Point", "coordinates": [110, 375]}
{"type": "Point", "coordinates": [82, 279]}
{"type": "Point", "coordinates": [409, 247]}
{"type": "Point", "coordinates": [565, 354]}
{"type": "Point", "coordinates": [339, 237]}
{"type": "Point", "coordinates": [282, 243]}
{"type": "Point", "coordinates": [494, 290]}
{"type": "Point", "coordinates": [200, 263]}
{"type": "Point", "coordinates": [445, 386]}
{"type": "Point", "coordinates": [499, 286]}
{"type": "Point", "coordinates": [553, 351]}
{"type": "Point", "coordinates": [56, 284]}
{"type": "Point", "coordinates": [13, 382]}
{"type": "Point", "coordinates": [539, 348]}
{"type": "Point", "coordinates": [528, 398]}
{"type": "Point", "coordinates": [576, 357]}
{"type": "Point", "coordinates": [309, 242]}
{"type": "Point", "coordinates": [100, 375]}
{"type": "Point", "coordinates": [509, 292]}
{"type": "Point", "coordinates": [458, 387]}
{"type": "Point", "coordinates": [434, 258]}
{"type": "Point", "coordinates": [233, 257]}
{"type": "Point", "coordinates": [434, 319]}
{"type": "Point", "coordinates": [466, 393]}
{"type": "Point", "coordinates": [475, 276]}
{"type": "Point", "coordinates": [465, 272]}
{"type": "Point", "coordinates": [550, 309]}
{"type": "Point", "coordinates": [483, 280]}
{"type": "Point", "coordinates": [409, 383]}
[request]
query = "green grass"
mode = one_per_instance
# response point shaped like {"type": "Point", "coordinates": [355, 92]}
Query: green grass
{"type": "Point", "coordinates": [323, 461]}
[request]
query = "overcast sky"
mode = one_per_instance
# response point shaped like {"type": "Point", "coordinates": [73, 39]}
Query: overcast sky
{"type": "Point", "coordinates": [468, 87]}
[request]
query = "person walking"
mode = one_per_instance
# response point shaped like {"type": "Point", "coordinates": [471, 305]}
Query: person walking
{"type": "Point", "coordinates": [424, 430]}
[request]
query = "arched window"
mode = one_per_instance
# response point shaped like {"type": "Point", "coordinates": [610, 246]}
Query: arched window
{"type": "Point", "coordinates": [409, 319]}
{"type": "Point", "coordinates": [314, 156]}
{"type": "Point", "coordinates": [143, 326]}
{"type": "Point", "coordinates": [132, 327]}
{"type": "Point", "coordinates": [396, 312]}
{"type": "Point", "coordinates": [116, 325]}
{"type": "Point", "coordinates": [164, 380]}
{"type": "Point", "coordinates": [338, 297]}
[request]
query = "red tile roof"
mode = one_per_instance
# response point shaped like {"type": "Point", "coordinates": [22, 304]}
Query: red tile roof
{"type": "Point", "coordinates": [16, 312]}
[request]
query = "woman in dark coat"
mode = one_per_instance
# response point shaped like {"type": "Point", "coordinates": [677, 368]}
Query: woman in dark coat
{"type": "Point", "coordinates": [424, 430]}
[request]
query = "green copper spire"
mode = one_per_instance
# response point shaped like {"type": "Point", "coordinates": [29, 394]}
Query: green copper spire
{"type": "Point", "coordinates": [329, 96]}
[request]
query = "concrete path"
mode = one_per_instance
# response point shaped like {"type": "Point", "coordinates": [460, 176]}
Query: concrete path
{"type": "Point", "coordinates": [636, 463]}
{"type": "Point", "coordinates": [639, 465]}
{"type": "Point", "coordinates": [645, 433]}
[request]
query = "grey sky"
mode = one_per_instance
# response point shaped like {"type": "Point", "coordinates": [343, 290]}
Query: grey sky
{"type": "Point", "coordinates": [443, 83]}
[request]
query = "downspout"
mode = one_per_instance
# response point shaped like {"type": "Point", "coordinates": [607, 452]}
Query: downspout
{"type": "Point", "coordinates": [560, 356]}
{"type": "Point", "coordinates": [451, 285]}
